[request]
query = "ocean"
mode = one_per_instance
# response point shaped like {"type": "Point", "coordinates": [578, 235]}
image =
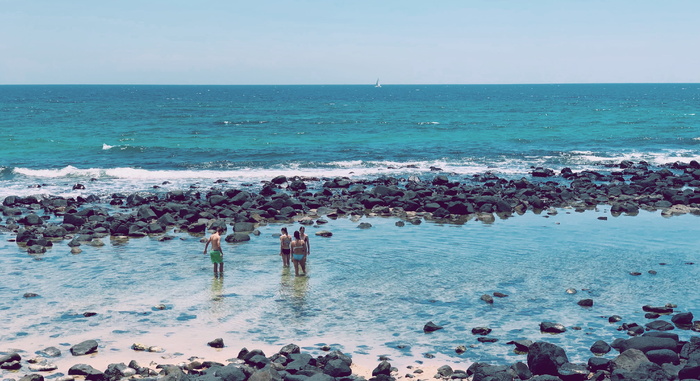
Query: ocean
{"type": "Point", "coordinates": [370, 291]}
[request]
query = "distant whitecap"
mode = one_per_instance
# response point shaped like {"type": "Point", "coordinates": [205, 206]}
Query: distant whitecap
{"type": "Point", "coordinates": [106, 146]}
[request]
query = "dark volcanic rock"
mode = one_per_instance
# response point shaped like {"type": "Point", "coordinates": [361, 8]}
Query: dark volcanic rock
{"type": "Point", "coordinates": [659, 325]}
{"type": "Point", "coordinates": [337, 368]}
{"type": "Point", "coordinates": [431, 327]}
{"type": "Point", "coordinates": [648, 343]}
{"type": "Point", "coordinates": [546, 358]}
{"type": "Point", "coordinates": [84, 348]}
{"type": "Point", "coordinates": [551, 327]}
{"type": "Point", "coordinates": [216, 343]}
{"type": "Point", "coordinates": [600, 347]}
{"type": "Point", "coordinates": [88, 371]}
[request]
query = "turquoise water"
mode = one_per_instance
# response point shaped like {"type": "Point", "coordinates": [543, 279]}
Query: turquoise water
{"type": "Point", "coordinates": [369, 291]}
{"type": "Point", "coordinates": [131, 134]}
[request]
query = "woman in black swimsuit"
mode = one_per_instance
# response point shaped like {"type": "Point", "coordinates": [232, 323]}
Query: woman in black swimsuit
{"type": "Point", "coordinates": [285, 240]}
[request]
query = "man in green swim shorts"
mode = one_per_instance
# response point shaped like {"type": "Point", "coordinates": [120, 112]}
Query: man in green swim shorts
{"type": "Point", "coordinates": [216, 254]}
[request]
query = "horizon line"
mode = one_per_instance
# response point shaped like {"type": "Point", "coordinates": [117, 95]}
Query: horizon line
{"type": "Point", "coordinates": [350, 84]}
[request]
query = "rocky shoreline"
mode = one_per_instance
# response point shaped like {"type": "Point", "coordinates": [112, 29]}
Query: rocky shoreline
{"type": "Point", "coordinates": [626, 188]}
{"type": "Point", "coordinates": [651, 353]}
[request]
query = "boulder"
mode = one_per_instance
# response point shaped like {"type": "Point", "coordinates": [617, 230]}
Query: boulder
{"type": "Point", "coordinates": [658, 310]}
{"type": "Point", "coordinates": [663, 356]}
{"type": "Point", "coordinates": [32, 219]}
{"type": "Point", "coordinates": [73, 219]}
{"type": "Point", "coordinates": [647, 343]}
{"type": "Point", "coordinates": [600, 347]}
{"type": "Point", "coordinates": [237, 237]}
{"type": "Point", "coordinates": [585, 303]}
{"type": "Point", "coordinates": [337, 368]}
{"type": "Point", "coordinates": [216, 343]}
{"type": "Point", "coordinates": [145, 213]}
{"type": "Point", "coordinates": [265, 374]}
{"type": "Point", "coordinates": [481, 331]}
{"type": "Point", "coordinates": [681, 318]}
{"type": "Point", "coordinates": [55, 231]}
{"type": "Point", "coordinates": [12, 357]}
{"type": "Point", "coordinates": [545, 358]}
{"type": "Point", "coordinates": [659, 325]}
{"type": "Point", "coordinates": [629, 360]}
{"type": "Point", "coordinates": [550, 327]}
{"type": "Point", "coordinates": [384, 368]}
{"type": "Point", "coordinates": [84, 348]}
{"type": "Point", "coordinates": [87, 371]}
{"type": "Point", "coordinates": [49, 352]}
{"type": "Point", "coordinates": [431, 327]}
{"type": "Point", "coordinates": [230, 372]}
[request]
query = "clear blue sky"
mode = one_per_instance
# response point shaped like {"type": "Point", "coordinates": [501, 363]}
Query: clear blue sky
{"type": "Point", "coordinates": [348, 42]}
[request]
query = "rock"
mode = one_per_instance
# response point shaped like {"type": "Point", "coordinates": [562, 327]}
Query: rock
{"type": "Point", "coordinates": [289, 349]}
{"type": "Point", "coordinates": [84, 348]}
{"type": "Point", "coordinates": [12, 357]}
{"type": "Point", "coordinates": [481, 331]}
{"type": "Point", "coordinates": [431, 327]}
{"type": "Point", "coordinates": [500, 295]}
{"type": "Point", "coordinates": [569, 371]}
{"type": "Point", "coordinates": [600, 347]}
{"type": "Point", "coordinates": [659, 325]}
{"type": "Point", "coordinates": [28, 295]}
{"type": "Point", "coordinates": [585, 303]}
{"type": "Point", "coordinates": [550, 327]}
{"type": "Point", "coordinates": [216, 343]}
{"type": "Point", "coordinates": [88, 371]}
{"type": "Point", "coordinates": [598, 363]}
{"type": "Point", "coordinates": [116, 372]}
{"type": "Point", "coordinates": [663, 356]}
{"type": "Point", "coordinates": [682, 318]}
{"type": "Point", "coordinates": [521, 346]}
{"type": "Point", "coordinates": [546, 358]}
{"type": "Point", "coordinates": [36, 249]}
{"type": "Point", "coordinates": [237, 237]}
{"type": "Point", "coordinates": [337, 368]}
{"type": "Point", "coordinates": [486, 339]}
{"type": "Point", "coordinates": [384, 368]}
{"type": "Point", "coordinates": [364, 225]}
{"type": "Point", "coordinates": [571, 291]}
{"type": "Point", "coordinates": [324, 233]}
{"type": "Point", "coordinates": [230, 372]}
{"type": "Point", "coordinates": [658, 310]}
{"type": "Point", "coordinates": [487, 298]}
{"type": "Point", "coordinates": [32, 377]}
{"type": "Point", "coordinates": [614, 319]}
{"type": "Point", "coordinates": [445, 371]}
{"type": "Point", "coordinates": [629, 360]}
{"type": "Point", "coordinates": [49, 352]}
{"type": "Point", "coordinates": [460, 349]}
{"type": "Point", "coordinates": [647, 343]}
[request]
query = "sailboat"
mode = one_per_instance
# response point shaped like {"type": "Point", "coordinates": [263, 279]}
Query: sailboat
{"type": "Point", "coordinates": [377, 84]}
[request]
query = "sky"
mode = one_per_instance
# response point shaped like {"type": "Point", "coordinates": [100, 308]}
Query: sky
{"type": "Point", "coordinates": [276, 42]}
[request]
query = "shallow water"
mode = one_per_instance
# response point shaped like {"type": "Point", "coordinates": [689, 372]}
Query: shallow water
{"type": "Point", "coordinates": [369, 291]}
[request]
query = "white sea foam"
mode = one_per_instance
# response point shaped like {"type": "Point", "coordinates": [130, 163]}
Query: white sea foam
{"type": "Point", "coordinates": [106, 146]}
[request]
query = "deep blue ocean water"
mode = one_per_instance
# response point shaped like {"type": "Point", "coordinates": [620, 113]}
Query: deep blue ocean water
{"type": "Point", "coordinates": [369, 291]}
{"type": "Point", "coordinates": [52, 133]}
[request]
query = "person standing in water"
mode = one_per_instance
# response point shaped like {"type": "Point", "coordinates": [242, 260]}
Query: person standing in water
{"type": "Point", "coordinates": [216, 254]}
{"type": "Point", "coordinates": [298, 247]}
{"type": "Point", "coordinates": [285, 251]}
{"type": "Point", "coordinates": [305, 237]}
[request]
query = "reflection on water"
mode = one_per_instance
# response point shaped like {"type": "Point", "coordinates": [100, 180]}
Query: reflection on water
{"type": "Point", "coordinates": [217, 307]}
{"type": "Point", "coordinates": [293, 290]}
